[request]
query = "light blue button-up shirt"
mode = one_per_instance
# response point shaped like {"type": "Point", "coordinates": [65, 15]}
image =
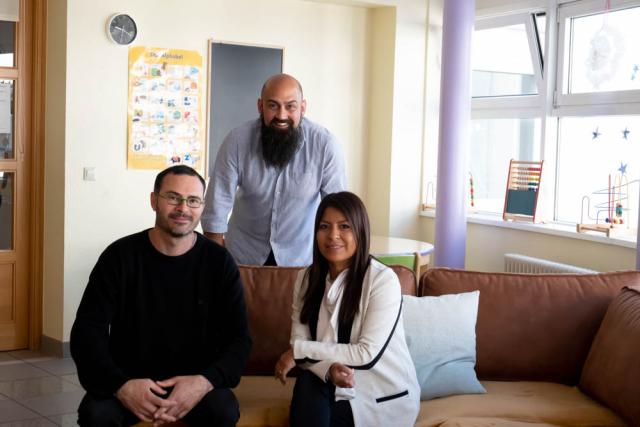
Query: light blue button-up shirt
{"type": "Point", "coordinates": [272, 208]}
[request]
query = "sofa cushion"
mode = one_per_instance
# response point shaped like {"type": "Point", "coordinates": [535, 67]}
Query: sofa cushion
{"type": "Point", "coordinates": [518, 403]}
{"type": "Point", "coordinates": [612, 371]}
{"type": "Point", "coordinates": [264, 402]}
{"type": "Point", "coordinates": [441, 336]}
{"type": "Point", "coordinates": [407, 279]}
{"type": "Point", "coordinates": [532, 327]}
{"type": "Point", "coordinates": [268, 293]}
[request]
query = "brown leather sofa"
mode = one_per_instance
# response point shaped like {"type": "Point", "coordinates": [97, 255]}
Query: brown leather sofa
{"type": "Point", "coordinates": [536, 352]}
{"type": "Point", "coordinates": [544, 353]}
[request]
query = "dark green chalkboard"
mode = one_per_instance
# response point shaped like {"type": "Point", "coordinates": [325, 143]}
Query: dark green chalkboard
{"type": "Point", "coordinates": [521, 202]}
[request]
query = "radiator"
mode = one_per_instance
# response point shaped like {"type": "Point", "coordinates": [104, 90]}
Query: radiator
{"type": "Point", "coordinates": [516, 263]}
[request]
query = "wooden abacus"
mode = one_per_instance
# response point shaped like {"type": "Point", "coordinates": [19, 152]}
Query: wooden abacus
{"type": "Point", "coordinates": [523, 185]}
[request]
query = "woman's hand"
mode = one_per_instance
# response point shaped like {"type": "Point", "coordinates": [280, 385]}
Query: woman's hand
{"type": "Point", "coordinates": [342, 376]}
{"type": "Point", "coordinates": [284, 365]}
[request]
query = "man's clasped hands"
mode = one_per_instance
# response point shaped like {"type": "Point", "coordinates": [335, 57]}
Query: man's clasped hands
{"type": "Point", "coordinates": [149, 401]}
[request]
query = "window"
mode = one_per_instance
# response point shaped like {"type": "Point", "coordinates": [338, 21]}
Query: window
{"type": "Point", "coordinates": [582, 117]}
{"type": "Point", "coordinates": [505, 71]}
{"type": "Point", "coordinates": [598, 101]}
{"type": "Point", "coordinates": [7, 43]}
{"type": "Point", "coordinates": [599, 160]}
{"type": "Point", "coordinates": [494, 143]}
{"type": "Point", "coordinates": [602, 51]}
{"type": "Point", "coordinates": [506, 122]}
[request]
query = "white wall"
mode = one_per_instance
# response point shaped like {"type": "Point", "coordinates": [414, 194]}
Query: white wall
{"type": "Point", "coordinates": [397, 118]}
{"type": "Point", "coordinates": [326, 48]}
{"type": "Point", "coordinates": [408, 117]}
{"type": "Point", "coordinates": [381, 119]}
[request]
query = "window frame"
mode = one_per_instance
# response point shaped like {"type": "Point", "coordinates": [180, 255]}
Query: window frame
{"type": "Point", "coordinates": [522, 106]}
{"type": "Point", "coordinates": [590, 103]}
{"type": "Point", "coordinates": [512, 102]}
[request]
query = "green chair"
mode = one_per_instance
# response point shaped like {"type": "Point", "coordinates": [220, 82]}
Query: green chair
{"type": "Point", "coordinates": [406, 260]}
{"type": "Point", "coordinates": [415, 262]}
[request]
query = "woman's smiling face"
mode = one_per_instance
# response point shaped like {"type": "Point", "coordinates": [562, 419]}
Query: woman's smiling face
{"type": "Point", "coordinates": [336, 240]}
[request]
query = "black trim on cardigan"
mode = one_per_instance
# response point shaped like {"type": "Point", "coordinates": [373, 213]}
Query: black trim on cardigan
{"type": "Point", "coordinates": [384, 347]}
{"type": "Point", "coordinates": [305, 360]}
{"type": "Point", "coordinates": [393, 396]}
{"type": "Point", "coordinates": [344, 332]}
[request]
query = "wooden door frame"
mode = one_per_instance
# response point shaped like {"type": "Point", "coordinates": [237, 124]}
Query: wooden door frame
{"type": "Point", "coordinates": [28, 74]}
{"type": "Point", "coordinates": [34, 15]}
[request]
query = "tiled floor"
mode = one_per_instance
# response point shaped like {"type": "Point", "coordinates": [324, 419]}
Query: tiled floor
{"type": "Point", "coordinates": [37, 390]}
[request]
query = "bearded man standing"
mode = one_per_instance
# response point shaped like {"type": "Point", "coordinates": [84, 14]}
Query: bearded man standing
{"type": "Point", "coordinates": [271, 173]}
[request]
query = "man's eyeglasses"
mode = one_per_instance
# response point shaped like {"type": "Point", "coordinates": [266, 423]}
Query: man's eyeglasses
{"type": "Point", "coordinates": [176, 200]}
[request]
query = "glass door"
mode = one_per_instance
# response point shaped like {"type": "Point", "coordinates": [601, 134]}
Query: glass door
{"type": "Point", "coordinates": [15, 146]}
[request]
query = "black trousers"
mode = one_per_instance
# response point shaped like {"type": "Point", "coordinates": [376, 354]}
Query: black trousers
{"type": "Point", "coordinates": [314, 405]}
{"type": "Point", "coordinates": [217, 408]}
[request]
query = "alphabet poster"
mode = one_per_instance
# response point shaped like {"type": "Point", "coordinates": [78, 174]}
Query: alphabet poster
{"type": "Point", "coordinates": [165, 118]}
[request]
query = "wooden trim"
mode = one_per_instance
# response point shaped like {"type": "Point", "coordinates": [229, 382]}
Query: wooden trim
{"type": "Point", "coordinates": [22, 240]}
{"type": "Point", "coordinates": [36, 223]}
{"type": "Point", "coordinates": [26, 327]}
{"type": "Point", "coordinates": [8, 73]}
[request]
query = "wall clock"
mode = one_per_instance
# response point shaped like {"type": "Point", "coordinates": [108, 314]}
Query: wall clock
{"type": "Point", "coordinates": [121, 28]}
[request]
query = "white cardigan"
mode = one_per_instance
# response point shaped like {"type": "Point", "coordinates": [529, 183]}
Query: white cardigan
{"type": "Point", "coordinates": [387, 391]}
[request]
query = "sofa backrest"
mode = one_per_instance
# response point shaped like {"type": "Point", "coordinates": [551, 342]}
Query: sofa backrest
{"type": "Point", "coordinates": [532, 327]}
{"type": "Point", "coordinates": [268, 293]}
{"type": "Point", "coordinates": [611, 372]}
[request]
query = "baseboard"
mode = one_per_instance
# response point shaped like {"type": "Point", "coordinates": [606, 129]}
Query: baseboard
{"type": "Point", "coordinates": [54, 347]}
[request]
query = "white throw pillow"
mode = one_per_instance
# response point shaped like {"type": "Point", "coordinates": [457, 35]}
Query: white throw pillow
{"type": "Point", "coordinates": [441, 336]}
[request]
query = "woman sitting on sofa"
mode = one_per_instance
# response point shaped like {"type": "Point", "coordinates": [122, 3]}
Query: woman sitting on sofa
{"type": "Point", "coordinates": [347, 333]}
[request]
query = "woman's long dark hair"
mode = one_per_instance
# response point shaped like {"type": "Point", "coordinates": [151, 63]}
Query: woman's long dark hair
{"type": "Point", "coordinates": [356, 214]}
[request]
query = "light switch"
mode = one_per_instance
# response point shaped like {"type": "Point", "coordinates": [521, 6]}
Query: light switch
{"type": "Point", "coordinates": [89, 174]}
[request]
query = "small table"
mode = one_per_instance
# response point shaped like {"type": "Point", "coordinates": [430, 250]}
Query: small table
{"type": "Point", "coordinates": [417, 254]}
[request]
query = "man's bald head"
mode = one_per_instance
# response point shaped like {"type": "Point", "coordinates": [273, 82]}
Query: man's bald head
{"type": "Point", "coordinates": [281, 104]}
{"type": "Point", "coordinates": [278, 80]}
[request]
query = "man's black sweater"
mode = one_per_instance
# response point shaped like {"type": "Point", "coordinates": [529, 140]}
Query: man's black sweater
{"type": "Point", "coordinates": [148, 315]}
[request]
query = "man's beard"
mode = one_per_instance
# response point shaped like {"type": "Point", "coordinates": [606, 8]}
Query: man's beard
{"type": "Point", "coordinates": [175, 231]}
{"type": "Point", "coordinates": [279, 145]}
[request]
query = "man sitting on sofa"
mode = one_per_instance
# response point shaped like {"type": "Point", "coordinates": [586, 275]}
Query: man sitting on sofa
{"type": "Point", "coordinates": [161, 332]}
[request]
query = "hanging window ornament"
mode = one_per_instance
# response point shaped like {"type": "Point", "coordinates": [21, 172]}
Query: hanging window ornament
{"type": "Point", "coordinates": [605, 50]}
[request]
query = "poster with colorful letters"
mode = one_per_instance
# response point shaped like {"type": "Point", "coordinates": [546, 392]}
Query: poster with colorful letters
{"type": "Point", "coordinates": [165, 117]}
